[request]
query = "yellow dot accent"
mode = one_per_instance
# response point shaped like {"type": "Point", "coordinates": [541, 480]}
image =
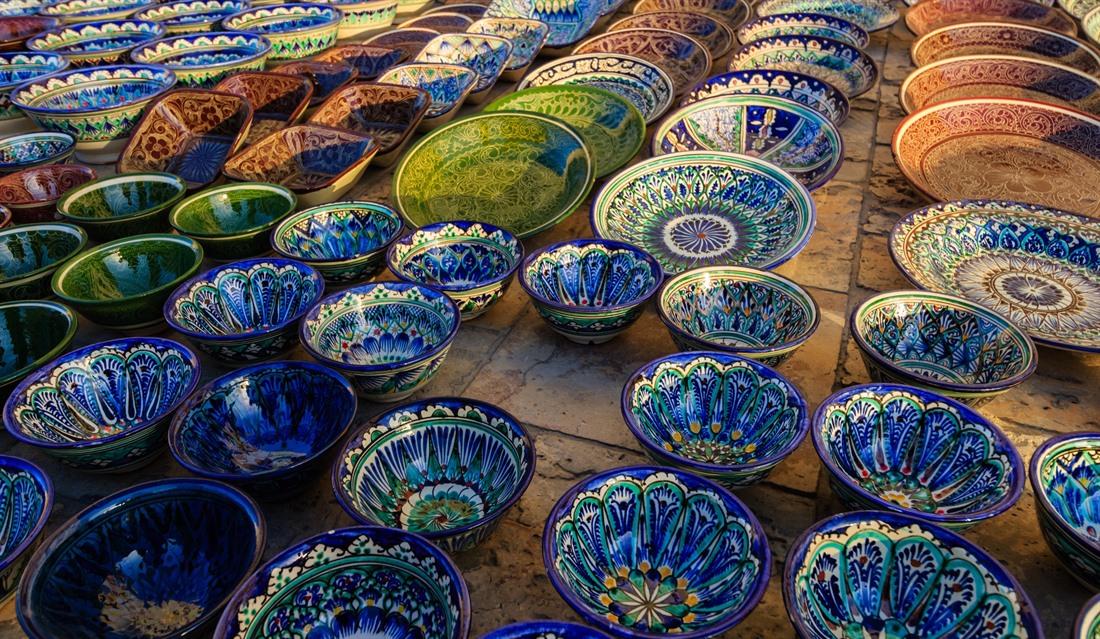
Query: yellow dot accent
{"type": "Point", "coordinates": [691, 600]}
{"type": "Point", "coordinates": [689, 617]}
{"type": "Point", "coordinates": [695, 427]}
{"type": "Point", "coordinates": [668, 447]}
{"type": "Point", "coordinates": [715, 428]}
{"type": "Point", "coordinates": [681, 583]}
{"type": "Point", "coordinates": [624, 572]}
{"type": "Point", "coordinates": [665, 571]}
{"type": "Point", "coordinates": [678, 436]}
{"type": "Point", "coordinates": [612, 618]}
{"type": "Point", "coordinates": [644, 567]}
{"type": "Point", "coordinates": [750, 448]}
{"type": "Point", "coordinates": [736, 435]}
{"type": "Point", "coordinates": [605, 600]}
{"type": "Point", "coordinates": [609, 582]}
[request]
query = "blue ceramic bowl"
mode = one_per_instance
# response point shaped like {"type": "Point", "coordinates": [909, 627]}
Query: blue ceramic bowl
{"type": "Point", "coordinates": [804, 24]}
{"type": "Point", "coordinates": [97, 44]}
{"type": "Point", "coordinates": [40, 148]}
{"type": "Point", "coordinates": [481, 460]}
{"type": "Point", "coordinates": [487, 55]}
{"type": "Point", "coordinates": [472, 262]}
{"type": "Point", "coordinates": [911, 451]}
{"type": "Point", "coordinates": [569, 21]}
{"type": "Point", "coordinates": [884, 574]}
{"type": "Point", "coordinates": [389, 338]}
{"type": "Point", "coordinates": [104, 407]}
{"type": "Point", "coordinates": [31, 334]}
{"type": "Point", "coordinates": [703, 566]}
{"type": "Point", "coordinates": [192, 16]}
{"type": "Point", "coordinates": [354, 582]}
{"type": "Point", "coordinates": [17, 67]}
{"type": "Point", "coordinates": [296, 30]}
{"type": "Point", "coordinates": [26, 499]}
{"type": "Point", "coordinates": [590, 290]}
{"type": "Point", "coordinates": [247, 311]}
{"type": "Point", "coordinates": [31, 253]}
{"type": "Point", "coordinates": [804, 89]}
{"type": "Point", "coordinates": [545, 630]}
{"type": "Point", "coordinates": [159, 559]}
{"type": "Point", "coordinates": [724, 417]}
{"type": "Point", "coordinates": [1065, 477]}
{"type": "Point", "coordinates": [201, 60]}
{"type": "Point", "coordinates": [265, 429]}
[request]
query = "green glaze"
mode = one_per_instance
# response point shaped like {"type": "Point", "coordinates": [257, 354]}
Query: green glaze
{"type": "Point", "coordinates": [233, 221]}
{"type": "Point", "coordinates": [29, 255]}
{"type": "Point", "coordinates": [31, 334]}
{"type": "Point", "coordinates": [123, 284]}
{"type": "Point", "coordinates": [123, 205]}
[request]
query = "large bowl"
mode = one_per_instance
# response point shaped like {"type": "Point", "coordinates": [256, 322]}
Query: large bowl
{"type": "Point", "coordinates": [843, 66]}
{"type": "Point", "coordinates": [29, 255]}
{"type": "Point", "coordinates": [817, 25]}
{"type": "Point", "coordinates": [158, 559]}
{"type": "Point", "coordinates": [941, 13]}
{"type": "Point", "coordinates": [28, 150]}
{"type": "Point", "coordinates": [872, 15]}
{"type": "Point", "coordinates": [233, 220]}
{"type": "Point", "coordinates": [83, 11]}
{"type": "Point", "coordinates": [32, 194]}
{"type": "Point", "coordinates": [447, 85]}
{"type": "Point", "coordinates": [998, 38]}
{"type": "Point", "coordinates": [104, 407]}
{"type": "Point", "coordinates": [97, 44]}
{"type": "Point", "coordinates": [817, 94]}
{"type": "Point", "coordinates": [123, 205]}
{"type": "Point", "coordinates": [685, 60]}
{"type": "Point", "coordinates": [32, 333]}
{"type": "Point", "coordinates": [569, 20]}
{"type": "Point", "coordinates": [277, 100]}
{"type": "Point", "coordinates": [1064, 477]}
{"type": "Point", "coordinates": [486, 55]}
{"type": "Point", "coordinates": [388, 113]}
{"type": "Point", "coordinates": [26, 498]}
{"type": "Point", "coordinates": [265, 429]}
{"type": "Point", "coordinates": [17, 67]}
{"type": "Point", "coordinates": [482, 460]}
{"type": "Point", "coordinates": [296, 31]}
{"type": "Point", "coordinates": [201, 60]}
{"type": "Point", "coordinates": [245, 312]}
{"type": "Point", "coordinates": [192, 16]}
{"type": "Point", "coordinates": [646, 552]}
{"type": "Point", "coordinates": [724, 417]}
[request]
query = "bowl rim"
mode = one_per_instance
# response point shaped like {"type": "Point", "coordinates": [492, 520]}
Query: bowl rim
{"type": "Point", "coordinates": [1092, 604]}
{"type": "Point", "coordinates": [171, 19]}
{"type": "Point", "coordinates": [15, 429]}
{"type": "Point", "coordinates": [347, 501]}
{"type": "Point", "coordinates": [53, 352]}
{"type": "Point", "coordinates": [180, 423]}
{"type": "Point", "coordinates": [170, 315]}
{"type": "Point", "coordinates": [399, 271]}
{"type": "Point", "coordinates": [115, 5]}
{"type": "Point", "coordinates": [60, 227]}
{"type": "Point", "coordinates": [638, 252]}
{"type": "Point", "coordinates": [260, 46]}
{"type": "Point", "coordinates": [336, 16]}
{"type": "Point", "coordinates": [47, 169]}
{"type": "Point", "coordinates": [801, 427]}
{"type": "Point", "coordinates": [173, 215]}
{"type": "Point", "coordinates": [924, 298]}
{"type": "Point", "coordinates": [556, 64]}
{"type": "Point", "coordinates": [322, 209]}
{"type": "Point", "coordinates": [53, 57]}
{"type": "Point", "coordinates": [756, 593]}
{"type": "Point", "coordinates": [166, 83]}
{"type": "Point", "coordinates": [536, 628]}
{"type": "Point", "coordinates": [1017, 471]}
{"type": "Point", "coordinates": [854, 28]}
{"type": "Point", "coordinates": [108, 507]}
{"type": "Point", "coordinates": [155, 31]}
{"type": "Point", "coordinates": [23, 138]}
{"type": "Point", "coordinates": [1038, 459]}
{"type": "Point", "coordinates": [94, 185]}
{"type": "Point", "coordinates": [45, 485]}
{"type": "Point", "coordinates": [837, 45]}
{"type": "Point", "coordinates": [844, 105]}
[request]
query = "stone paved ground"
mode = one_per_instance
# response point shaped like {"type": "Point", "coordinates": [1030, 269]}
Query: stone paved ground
{"type": "Point", "coordinates": [568, 395]}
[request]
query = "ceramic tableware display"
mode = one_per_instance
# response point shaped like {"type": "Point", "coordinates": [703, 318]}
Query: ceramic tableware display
{"type": "Point", "coordinates": [233, 220]}
{"type": "Point", "coordinates": [192, 16]}
{"type": "Point", "coordinates": [277, 100]}
{"type": "Point", "coordinates": [816, 25]}
{"type": "Point", "coordinates": [924, 17]}
{"type": "Point", "coordinates": [409, 40]}
{"type": "Point", "coordinates": [28, 150]}
{"type": "Point", "coordinates": [26, 498]}
{"type": "Point", "coordinates": [1001, 39]}
{"type": "Point", "coordinates": [97, 43]}
{"type": "Point", "coordinates": [709, 31]}
{"type": "Point", "coordinates": [485, 55]}
{"type": "Point", "coordinates": [326, 77]}
{"type": "Point", "coordinates": [804, 89]}
{"type": "Point", "coordinates": [389, 113]}
{"type": "Point", "coordinates": [362, 18]}
{"type": "Point", "coordinates": [526, 36]}
{"type": "Point", "coordinates": [732, 12]}
{"type": "Point", "coordinates": [297, 30]}
{"type": "Point", "coordinates": [202, 60]}
{"type": "Point", "coordinates": [31, 253]}
{"type": "Point", "coordinates": [17, 67]}
{"type": "Point", "coordinates": [32, 194]}
{"type": "Point", "coordinates": [569, 21]}
{"type": "Point", "coordinates": [34, 332]}
{"type": "Point", "coordinates": [370, 60]}
{"type": "Point", "coordinates": [1064, 473]}
{"type": "Point", "coordinates": [843, 66]}
{"type": "Point", "coordinates": [82, 11]}
{"type": "Point", "coordinates": [123, 205]}
{"type": "Point", "coordinates": [683, 58]}
{"type": "Point", "coordinates": [16, 30]}
{"type": "Point", "coordinates": [872, 15]}
{"type": "Point", "coordinates": [448, 85]}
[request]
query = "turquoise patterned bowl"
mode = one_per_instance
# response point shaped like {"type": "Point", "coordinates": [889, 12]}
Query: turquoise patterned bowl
{"type": "Point", "coordinates": [388, 338]}
{"type": "Point", "coordinates": [569, 20]}
{"type": "Point", "coordinates": [482, 460]}
{"type": "Point", "coordinates": [808, 24]}
{"type": "Point", "coordinates": [1065, 477]}
{"type": "Point", "coordinates": [83, 11]}
{"type": "Point", "coordinates": [364, 17]}
{"type": "Point", "coordinates": [17, 67]}
{"type": "Point", "coordinates": [296, 31]}
{"type": "Point", "coordinates": [28, 150]}
{"type": "Point", "coordinates": [204, 59]}
{"type": "Point", "coordinates": [97, 44]}
{"type": "Point", "coordinates": [840, 64]}
{"type": "Point", "coordinates": [31, 333]}
{"type": "Point", "coordinates": [804, 89]}
{"type": "Point", "coordinates": [871, 15]}
{"type": "Point", "coordinates": [123, 205]}
{"type": "Point", "coordinates": [192, 16]}
{"type": "Point", "coordinates": [486, 55]}
{"type": "Point", "coordinates": [447, 84]}
{"type": "Point", "coordinates": [26, 498]}
{"type": "Point", "coordinates": [724, 417]}
{"type": "Point", "coordinates": [233, 220]}
{"type": "Point", "coordinates": [738, 310]}
{"type": "Point", "coordinates": [526, 36]}
{"type": "Point", "coordinates": [31, 253]}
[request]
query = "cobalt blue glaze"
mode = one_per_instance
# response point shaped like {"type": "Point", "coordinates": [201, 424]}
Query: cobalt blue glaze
{"type": "Point", "coordinates": [801, 88]}
{"type": "Point", "coordinates": [26, 499]}
{"type": "Point", "coordinates": [545, 630]}
{"type": "Point", "coordinates": [1065, 476]}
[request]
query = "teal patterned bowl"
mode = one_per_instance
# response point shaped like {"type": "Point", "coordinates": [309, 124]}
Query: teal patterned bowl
{"type": "Point", "coordinates": [31, 334]}
{"type": "Point", "coordinates": [569, 20]}
{"type": "Point", "coordinates": [526, 36]}
{"type": "Point", "coordinates": [233, 221]}
{"type": "Point", "coordinates": [486, 55]}
{"type": "Point", "coordinates": [840, 64]}
{"type": "Point", "coordinates": [448, 85]}
{"type": "Point", "coordinates": [97, 44]}
{"type": "Point", "coordinates": [364, 17]}
{"type": "Point", "coordinates": [31, 253]}
{"type": "Point", "coordinates": [28, 150]}
{"type": "Point", "coordinates": [1065, 476]}
{"type": "Point", "coordinates": [204, 59]}
{"type": "Point", "coordinates": [123, 205]}
{"type": "Point", "coordinates": [17, 67]}
{"type": "Point", "coordinates": [192, 16]}
{"type": "Point", "coordinates": [296, 31]}
{"type": "Point", "coordinates": [28, 499]}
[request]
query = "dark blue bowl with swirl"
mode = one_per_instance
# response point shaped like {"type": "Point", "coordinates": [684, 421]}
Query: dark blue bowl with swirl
{"type": "Point", "coordinates": [545, 630]}
{"type": "Point", "coordinates": [1065, 477]}
{"type": "Point", "coordinates": [26, 499]}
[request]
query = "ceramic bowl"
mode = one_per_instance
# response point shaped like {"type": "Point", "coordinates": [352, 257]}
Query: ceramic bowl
{"type": "Point", "coordinates": [843, 66]}
{"type": "Point", "coordinates": [326, 77]}
{"type": "Point", "coordinates": [942, 13]}
{"type": "Point", "coordinates": [723, 417]}
{"type": "Point", "coordinates": [233, 221]}
{"type": "Point", "coordinates": [1090, 24]}
{"type": "Point", "coordinates": [949, 580]}
{"type": "Point", "coordinates": [732, 12]}
{"type": "Point", "coordinates": [482, 460]}
{"type": "Point", "coordinates": [642, 83]}
{"type": "Point", "coordinates": [775, 315]}
{"type": "Point", "coordinates": [29, 255]}
{"type": "Point", "coordinates": [1064, 475]}
{"type": "Point", "coordinates": [96, 44]}
{"type": "Point", "coordinates": [871, 15]}
{"type": "Point", "coordinates": [941, 343]}
{"type": "Point", "coordinates": [122, 285]}
{"type": "Point", "coordinates": [541, 166]}
{"type": "Point", "coordinates": [527, 37]}
{"type": "Point", "coordinates": [680, 209]}
{"type": "Point", "coordinates": [192, 16]}
{"type": "Point", "coordinates": [17, 67]}
{"type": "Point", "coordinates": [16, 30]}
{"type": "Point", "coordinates": [157, 559]}
{"type": "Point", "coordinates": [277, 100]}
{"type": "Point", "coordinates": [33, 333]}
{"type": "Point", "coordinates": [409, 41]}
{"type": "Point", "coordinates": [136, 384]}
{"type": "Point", "coordinates": [244, 312]}
{"type": "Point", "coordinates": [683, 58]}
{"type": "Point", "coordinates": [709, 31]}
{"type": "Point", "coordinates": [370, 60]}
{"type": "Point", "coordinates": [569, 20]}
{"type": "Point", "coordinates": [545, 630]}
{"type": "Point", "coordinates": [649, 590]}
{"type": "Point", "coordinates": [83, 11]}
{"type": "Point", "coordinates": [5, 217]}
{"type": "Point", "coordinates": [471, 10]}
{"type": "Point", "coordinates": [266, 429]}
{"type": "Point", "coordinates": [345, 241]}
{"type": "Point", "coordinates": [816, 25]}
{"type": "Point", "coordinates": [99, 107]}
{"type": "Point", "coordinates": [201, 60]}
{"type": "Point", "coordinates": [443, 22]}
{"type": "Point", "coordinates": [912, 451]}
{"type": "Point", "coordinates": [342, 572]}
{"type": "Point", "coordinates": [123, 205]}
{"type": "Point", "coordinates": [473, 263]}
{"type": "Point", "coordinates": [485, 55]}
{"type": "Point", "coordinates": [388, 113]}
{"type": "Point", "coordinates": [26, 498]}
{"type": "Point", "coordinates": [590, 290]}
{"type": "Point", "coordinates": [28, 150]}
{"type": "Point", "coordinates": [1087, 625]}
{"type": "Point", "coordinates": [1076, 8]}
{"type": "Point", "coordinates": [364, 18]}
{"type": "Point", "coordinates": [1000, 39]}
{"type": "Point", "coordinates": [21, 7]}
{"type": "Point", "coordinates": [318, 163]}
{"type": "Point", "coordinates": [32, 194]}
{"type": "Point", "coordinates": [816, 94]}
{"type": "Point", "coordinates": [296, 31]}
{"type": "Point", "coordinates": [448, 85]}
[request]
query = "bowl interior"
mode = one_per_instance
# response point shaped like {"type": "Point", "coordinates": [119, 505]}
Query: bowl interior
{"type": "Point", "coordinates": [453, 257]}
{"type": "Point", "coordinates": [1068, 476]}
{"type": "Point", "coordinates": [303, 157]}
{"type": "Point", "coordinates": [340, 231]}
{"type": "Point", "coordinates": [591, 275]}
{"type": "Point", "coordinates": [232, 210]}
{"type": "Point", "coordinates": [29, 331]}
{"type": "Point", "coordinates": [25, 249]}
{"type": "Point", "coordinates": [123, 196]}
{"type": "Point", "coordinates": [128, 268]}
{"type": "Point", "coordinates": [445, 84]}
{"type": "Point", "coordinates": [24, 498]}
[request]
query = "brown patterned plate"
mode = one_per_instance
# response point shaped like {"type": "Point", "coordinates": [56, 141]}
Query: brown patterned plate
{"type": "Point", "coordinates": [277, 100]}
{"type": "Point", "coordinates": [682, 57]}
{"type": "Point", "coordinates": [389, 113]}
{"type": "Point", "coordinates": [733, 12]}
{"type": "Point", "coordinates": [994, 38]}
{"type": "Point", "coordinates": [712, 33]}
{"type": "Point", "coordinates": [928, 15]}
{"type": "Point", "coordinates": [1003, 149]}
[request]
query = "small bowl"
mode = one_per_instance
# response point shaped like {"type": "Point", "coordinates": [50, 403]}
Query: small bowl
{"type": "Point", "coordinates": [158, 559]}
{"type": "Point", "coordinates": [389, 338]}
{"type": "Point", "coordinates": [471, 10]}
{"type": "Point", "coordinates": [265, 429]}
{"type": "Point", "coordinates": [409, 41]}
{"type": "Point", "coordinates": [590, 290]}
{"type": "Point", "coordinates": [569, 20]}
{"type": "Point", "coordinates": [123, 205]}
{"type": "Point", "coordinates": [686, 61]}
{"type": "Point", "coordinates": [423, 593]}
{"type": "Point", "coordinates": [16, 30]}
{"type": "Point", "coordinates": [847, 68]}
{"type": "Point", "coordinates": [389, 113]}
{"type": "Point", "coordinates": [84, 11]}
{"type": "Point", "coordinates": [32, 194]}
{"type": "Point", "coordinates": [545, 630]}
{"type": "Point", "coordinates": [482, 460]}
{"type": "Point", "coordinates": [723, 417]}
{"type": "Point", "coordinates": [36, 332]}
{"type": "Point", "coordinates": [1087, 625]}
{"type": "Point", "coordinates": [362, 18]}
{"type": "Point", "coordinates": [808, 90]}
{"type": "Point", "coordinates": [819, 25]}
{"type": "Point", "coordinates": [29, 255]}
{"type": "Point", "coordinates": [201, 60]}
{"type": "Point", "coordinates": [244, 312]}
{"type": "Point", "coordinates": [192, 16]}
{"type": "Point", "coordinates": [277, 100]}
{"type": "Point", "coordinates": [28, 150]}
{"type": "Point", "coordinates": [371, 61]}
{"type": "Point", "coordinates": [296, 31]}
{"type": "Point", "coordinates": [941, 343]}
{"type": "Point", "coordinates": [774, 314]}
{"type": "Point", "coordinates": [593, 553]}
{"type": "Point", "coordinates": [26, 499]}
{"type": "Point", "coordinates": [526, 36]}
{"type": "Point", "coordinates": [473, 263]}
{"type": "Point", "coordinates": [137, 383]}
{"type": "Point", "coordinates": [447, 84]}
{"type": "Point", "coordinates": [485, 55]}
{"type": "Point", "coordinates": [345, 241]}
{"type": "Point", "coordinates": [232, 221]}
{"type": "Point", "coordinates": [17, 67]}
{"type": "Point", "coordinates": [1064, 479]}
{"type": "Point", "coordinates": [96, 44]}
{"type": "Point", "coordinates": [326, 77]}
{"type": "Point", "coordinates": [122, 285]}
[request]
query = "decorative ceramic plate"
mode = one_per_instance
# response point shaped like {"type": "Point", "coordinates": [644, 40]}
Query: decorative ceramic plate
{"type": "Point", "coordinates": [995, 148]}
{"type": "Point", "coordinates": [872, 15]}
{"type": "Point", "coordinates": [1077, 8]}
{"type": "Point", "coordinates": [790, 135]}
{"type": "Point", "coordinates": [569, 20]}
{"type": "Point", "coordinates": [708, 31]}
{"type": "Point", "coordinates": [808, 24]}
{"type": "Point", "coordinates": [733, 12]}
{"type": "Point", "coordinates": [703, 208]}
{"type": "Point", "coordinates": [683, 58]}
{"type": "Point", "coordinates": [928, 15]}
{"type": "Point", "coordinates": [642, 83]}
{"type": "Point", "coordinates": [1036, 266]}
{"type": "Point", "coordinates": [995, 38]}
{"type": "Point", "coordinates": [843, 66]}
{"type": "Point", "coordinates": [804, 89]}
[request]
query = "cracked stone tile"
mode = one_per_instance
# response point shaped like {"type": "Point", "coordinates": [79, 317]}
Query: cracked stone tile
{"type": "Point", "coordinates": [827, 261]}
{"type": "Point", "coordinates": [858, 132]}
{"type": "Point", "coordinates": [876, 270]}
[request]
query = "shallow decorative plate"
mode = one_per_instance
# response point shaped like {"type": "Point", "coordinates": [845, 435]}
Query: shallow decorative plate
{"type": "Point", "coordinates": [707, 30]}
{"type": "Point", "coordinates": [995, 38]}
{"type": "Point", "coordinates": [683, 58]}
{"type": "Point", "coordinates": [1036, 266]}
{"type": "Point", "coordinates": [845, 67]}
{"type": "Point", "coordinates": [808, 24]}
{"type": "Point", "coordinates": [928, 15]}
{"type": "Point", "coordinates": [569, 20]}
{"type": "Point", "coordinates": [872, 15]}
{"type": "Point", "coordinates": [732, 12]}
{"type": "Point", "coordinates": [804, 89]}
{"type": "Point", "coordinates": [704, 208]}
{"type": "Point", "coordinates": [790, 135]}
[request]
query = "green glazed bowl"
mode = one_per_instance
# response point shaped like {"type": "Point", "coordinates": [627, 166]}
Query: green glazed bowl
{"type": "Point", "coordinates": [31, 334]}
{"type": "Point", "coordinates": [123, 205]}
{"type": "Point", "coordinates": [123, 284]}
{"type": "Point", "coordinates": [29, 255]}
{"type": "Point", "coordinates": [233, 221]}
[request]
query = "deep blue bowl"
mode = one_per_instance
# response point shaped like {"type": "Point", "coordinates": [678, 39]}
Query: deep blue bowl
{"type": "Point", "coordinates": [26, 499]}
{"type": "Point", "coordinates": [545, 630]}
{"type": "Point", "coordinates": [264, 429]}
{"type": "Point", "coordinates": [158, 559]}
{"type": "Point", "coordinates": [1065, 477]}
